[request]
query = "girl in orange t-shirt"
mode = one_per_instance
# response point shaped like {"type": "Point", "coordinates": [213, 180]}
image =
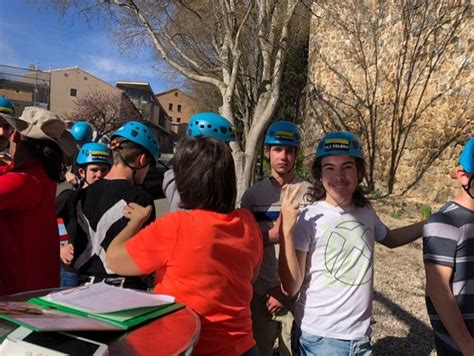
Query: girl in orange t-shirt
{"type": "Point", "coordinates": [207, 255]}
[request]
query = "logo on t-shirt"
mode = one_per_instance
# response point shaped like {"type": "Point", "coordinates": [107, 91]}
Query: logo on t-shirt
{"type": "Point", "coordinates": [348, 252]}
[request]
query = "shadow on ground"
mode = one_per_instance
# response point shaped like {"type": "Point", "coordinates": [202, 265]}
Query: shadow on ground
{"type": "Point", "coordinates": [419, 341]}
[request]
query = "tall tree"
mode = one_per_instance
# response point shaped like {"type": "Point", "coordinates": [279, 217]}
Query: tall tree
{"type": "Point", "coordinates": [205, 40]}
{"type": "Point", "coordinates": [385, 67]}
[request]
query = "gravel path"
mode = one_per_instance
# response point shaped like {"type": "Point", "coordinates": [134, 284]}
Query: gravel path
{"type": "Point", "coordinates": [401, 324]}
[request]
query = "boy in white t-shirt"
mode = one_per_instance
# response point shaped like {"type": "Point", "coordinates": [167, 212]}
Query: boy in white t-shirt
{"type": "Point", "coordinates": [327, 255]}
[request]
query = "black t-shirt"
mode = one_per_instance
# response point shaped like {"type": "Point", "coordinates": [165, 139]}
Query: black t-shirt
{"type": "Point", "coordinates": [61, 203]}
{"type": "Point", "coordinates": [96, 217]}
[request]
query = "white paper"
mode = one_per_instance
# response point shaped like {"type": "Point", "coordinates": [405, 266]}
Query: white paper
{"type": "Point", "coordinates": [104, 298]}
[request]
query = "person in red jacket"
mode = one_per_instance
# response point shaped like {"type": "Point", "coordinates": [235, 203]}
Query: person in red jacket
{"type": "Point", "coordinates": [207, 255]}
{"type": "Point", "coordinates": [29, 254]}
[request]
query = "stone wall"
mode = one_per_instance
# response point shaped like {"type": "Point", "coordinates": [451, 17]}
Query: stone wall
{"type": "Point", "coordinates": [354, 72]}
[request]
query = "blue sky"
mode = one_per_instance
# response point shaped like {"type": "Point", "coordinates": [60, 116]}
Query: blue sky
{"type": "Point", "coordinates": [29, 35]}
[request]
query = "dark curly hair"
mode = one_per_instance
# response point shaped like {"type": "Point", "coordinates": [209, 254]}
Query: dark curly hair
{"type": "Point", "coordinates": [51, 157]}
{"type": "Point", "coordinates": [317, 191]}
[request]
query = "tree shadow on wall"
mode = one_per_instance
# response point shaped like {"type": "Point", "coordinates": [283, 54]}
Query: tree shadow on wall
{"type": "Point", "coordinates": [419, 341]}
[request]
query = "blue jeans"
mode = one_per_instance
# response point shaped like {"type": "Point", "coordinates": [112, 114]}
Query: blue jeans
{"type": "Point", "coordinates": [251, 352]}
{"type": "Point", "coordinates": [326, 346]}
{"type": "Point", "coordinates": [69, 278]}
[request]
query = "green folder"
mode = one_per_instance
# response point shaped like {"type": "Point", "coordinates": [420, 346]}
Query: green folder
{"type": "Point", "coordinates": [42, 315]}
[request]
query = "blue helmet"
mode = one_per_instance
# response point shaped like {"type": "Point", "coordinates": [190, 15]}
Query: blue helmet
{"type": "Point", "coordinates": [140, 134]}
{"type": "Point", "coordinates": [211, 124]}
{"type": "Point", "coordinates": [283, 133]}
{"type": "Point", "coordinates": [340, 143]}
{"type": "Point", "coordinates": [6, 107]}
{"type": "Point", "coordinates": [82, 131]}
{"type": "Point", "coordinates": [93, 152]}
{"type": "Point", "coordinates": [466, 160]}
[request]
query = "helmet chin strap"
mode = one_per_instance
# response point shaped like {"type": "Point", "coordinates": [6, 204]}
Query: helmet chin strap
{"type": "Point", "coordinates": [467, 187]}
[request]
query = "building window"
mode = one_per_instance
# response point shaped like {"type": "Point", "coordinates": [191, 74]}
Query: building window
{"type": "Point", "coordinates": [73, 92]}
{"type": "Point", "coordinates": [175, 93]}
{"type": "Point", "coordinates": [170, 107]}
{"type": "Point", "coordinates": [66, 75]}
{"type": "Point", "coordinates": [85, 78]}
{"type": "Point", "coordinates": [179, 108]}
{"type": "Point", "coordinates": [178, 120]}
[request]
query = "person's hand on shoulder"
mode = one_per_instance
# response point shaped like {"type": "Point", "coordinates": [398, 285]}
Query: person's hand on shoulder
{"type": "Point", "coordinates": [71, 178]}
{"type": "Point", "coordinates": [137, 214]}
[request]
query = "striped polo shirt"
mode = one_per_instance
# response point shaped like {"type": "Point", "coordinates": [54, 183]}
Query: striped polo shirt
{"type": "Point", "coordinates": [448, 240]}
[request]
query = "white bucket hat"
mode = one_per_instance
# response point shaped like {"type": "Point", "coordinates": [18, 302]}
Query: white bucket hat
{"type": "Point", "coordinates": [42, 124]}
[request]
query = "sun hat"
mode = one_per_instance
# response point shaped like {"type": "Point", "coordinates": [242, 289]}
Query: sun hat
{"type": "Point", "coordinates": [41, 124]}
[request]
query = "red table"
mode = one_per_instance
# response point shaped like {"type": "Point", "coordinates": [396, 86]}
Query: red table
{"type": "Point", "coordinates": [173, 334]}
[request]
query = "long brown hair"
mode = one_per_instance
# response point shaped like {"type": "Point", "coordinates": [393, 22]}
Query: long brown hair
{"type": "Point", "coordinates": [205, 174]}
{"type": "Point", "coordinates": [317, 191]}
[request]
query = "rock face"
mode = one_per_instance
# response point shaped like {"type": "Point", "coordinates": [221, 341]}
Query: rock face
{"type": "Point", "coordinates": [399, 76]}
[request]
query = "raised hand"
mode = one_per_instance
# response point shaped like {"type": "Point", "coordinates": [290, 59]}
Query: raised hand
{"type": "Point", "coordinates": [290, 208]}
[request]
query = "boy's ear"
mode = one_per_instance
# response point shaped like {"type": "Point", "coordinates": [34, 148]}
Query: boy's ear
{"type": "Point", "coordinates": [143, 160]}
{"type": "Point", "coordinates": [459, 173]}
{"type": "Point", "coordinates": [82, 172]}
{"type": "Point", "coordinates": [266, 151]}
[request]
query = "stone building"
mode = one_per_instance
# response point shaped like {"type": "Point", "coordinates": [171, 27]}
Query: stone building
{"type": "Point", "coordinates": [68, 84]}
{"type": "Point", "coordinates": [180, 107]}
{"type": "Point", "coordinates": [400, 77]}
{"type": "Point", "coordinates": [144, 99]}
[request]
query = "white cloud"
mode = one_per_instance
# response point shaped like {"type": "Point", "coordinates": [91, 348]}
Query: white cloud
{"type": "Point", "coordinates": [113, 69]}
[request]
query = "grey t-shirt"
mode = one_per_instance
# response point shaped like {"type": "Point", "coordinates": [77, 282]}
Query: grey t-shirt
{"type": "Point", "coordinates": [170, 190]}
{"type": "Point", "coordinates": [264, 200]}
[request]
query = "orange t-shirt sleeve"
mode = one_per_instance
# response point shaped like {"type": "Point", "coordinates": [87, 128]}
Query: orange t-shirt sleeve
{"type": "Point", "coordinates": [153, 246]}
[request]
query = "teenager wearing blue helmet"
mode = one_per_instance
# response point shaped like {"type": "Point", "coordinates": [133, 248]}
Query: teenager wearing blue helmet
{"type": "Point", "coordinates": [93, 161]}
{"type": "Point", "coordinates": [272, 313]}
{"type": "Point", "coordinates": [448, 252]}
{"type": "Point", "coordinates": [99, 209]}
{"type": "Point", "coordinates": [82, 133]}
{"type": "Point", "coordinates": [6, 110]}
{"type": "Point", "coordinates": [326, 254]}
{"type": "Point", "coordinates": [201, 124]}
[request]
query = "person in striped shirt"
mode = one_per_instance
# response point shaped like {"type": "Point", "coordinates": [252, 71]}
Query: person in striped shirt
{"type": "Point", "coordinates": [448, 253]}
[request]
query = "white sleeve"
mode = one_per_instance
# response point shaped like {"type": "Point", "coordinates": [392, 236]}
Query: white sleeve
{"type": "Point", "coordinates": [304, 231]}
{"type": "Point", "coordinates": [380, 229]}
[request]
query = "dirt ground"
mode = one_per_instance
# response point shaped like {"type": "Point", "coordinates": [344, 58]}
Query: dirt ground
{"type": "Point", "coordinates": [401, 324]}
